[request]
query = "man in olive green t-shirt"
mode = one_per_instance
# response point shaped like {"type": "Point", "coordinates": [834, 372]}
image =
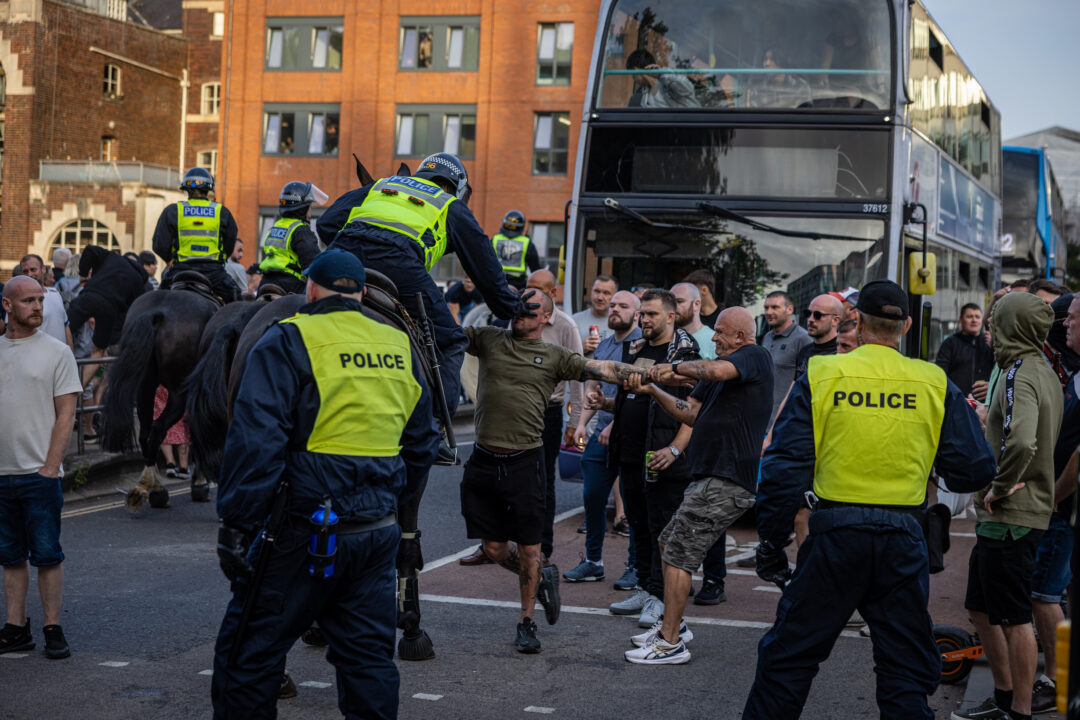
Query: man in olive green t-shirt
{"type": "Point", "coordinates": [503, 487]}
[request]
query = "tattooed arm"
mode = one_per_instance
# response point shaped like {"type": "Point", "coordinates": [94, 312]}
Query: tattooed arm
{"type": "Point", "coordinates": [715, 370]}
{"type": "Point", "coordinates": [685, 411]}
{"type": "Point", "coordinates": [609, 371]}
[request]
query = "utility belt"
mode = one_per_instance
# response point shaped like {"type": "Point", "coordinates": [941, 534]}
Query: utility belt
{"type": "Point", "coordinates": [815, 503]}
{"type": "Point", "coordinates": [303, 524]}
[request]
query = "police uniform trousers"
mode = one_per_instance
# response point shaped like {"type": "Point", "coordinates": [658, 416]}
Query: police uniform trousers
{"type": "Point", "coordinates": [405, 268]}
{"type": "Point", "coordinates": [356, 608]}
{"type": "Point", "coordinates": [868, 559]}
{"type": "Point", "coordinates": [285, 281]}
{"type": "Point", "coordinates": [220, 281]}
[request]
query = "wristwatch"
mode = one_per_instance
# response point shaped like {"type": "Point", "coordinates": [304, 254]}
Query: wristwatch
{"type": "Point", "coordinates": [674, 451]}
{"type": "Point", "coordinates": [675, 366]}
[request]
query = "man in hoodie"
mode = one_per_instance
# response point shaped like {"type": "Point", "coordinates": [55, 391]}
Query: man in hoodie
{"type": "Point", "coordinates": [1013, 513]}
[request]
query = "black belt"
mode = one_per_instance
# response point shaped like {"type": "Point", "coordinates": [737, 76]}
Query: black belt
{"type": "Point", "coordinates": [303, 524]}
{"type": "Point", "coordinates": [913, 510]}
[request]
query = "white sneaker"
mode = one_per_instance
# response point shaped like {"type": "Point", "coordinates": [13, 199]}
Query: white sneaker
{"type": "Point", "coordinates": [643, 639]}
{"type": "Point", "coordinates": [630, 605]}
{"type": "Point", "coordinates": [652, 611]}
{"type": "Point", "coordinates": [659, 652]}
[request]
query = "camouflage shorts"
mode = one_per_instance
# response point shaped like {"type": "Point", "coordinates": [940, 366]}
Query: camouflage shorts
{"type": "Point", "coordinates": [708, 507]}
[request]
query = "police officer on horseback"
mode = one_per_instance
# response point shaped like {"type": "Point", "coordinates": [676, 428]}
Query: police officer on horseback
{"type": "Point", "coordinates": [290, 245]}
{"type": "Point", "coordinates": [333, 403]}
{"type": "Point", "coordinates": [515, 250]}
{"type": "Point", "coordinates": [401, 226]}
{"type": "Point", "coordinates": [197, 234]}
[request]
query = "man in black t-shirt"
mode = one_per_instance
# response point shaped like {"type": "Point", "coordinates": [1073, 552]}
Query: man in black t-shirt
{"type": "Point", "coordinates": [729, 413]}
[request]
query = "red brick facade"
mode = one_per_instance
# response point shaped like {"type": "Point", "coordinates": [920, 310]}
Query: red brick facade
{"type": "Point", "coordinates": [204, 66]}
{"type": "Point", "coordinates": [370, 85]}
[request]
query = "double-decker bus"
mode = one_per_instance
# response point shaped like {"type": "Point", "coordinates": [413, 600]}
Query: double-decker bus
{"type": "Point", "coordinates": [1033, 217]}
{"type": "Point", "coordinates": [784, 145]}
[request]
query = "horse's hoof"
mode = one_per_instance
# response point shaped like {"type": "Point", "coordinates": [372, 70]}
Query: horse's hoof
{"type": "Point", "coordinates": [200, 493]}
{"type": "Point", "coordinates": [418, 647]}
{"type": "Point", "coordinates": [135, 499]}
{"type": "Point", "coordinates": [159, 498]}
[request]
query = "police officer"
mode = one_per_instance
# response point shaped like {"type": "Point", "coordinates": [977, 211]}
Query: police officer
{"type": "Point", "coordinates": [866, 548]}
{"type": "Point", "coordinates": [402, 226]}
{"type": "Point", "coordinates": [333, 402]}
{"type": "Point", "coordinates": [515, 250]}
{"type": "Point", "coordinates": [290, 245]}
{"type": "Point", "coordinates": [198, 234]}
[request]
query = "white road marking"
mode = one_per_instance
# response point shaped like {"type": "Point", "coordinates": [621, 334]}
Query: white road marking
{"type": "Point", "coordinates": [315, 684]}
{"type": "Point", "coordinates": [427, 696]}
{"type": "Point", "coordinates": [173, 491]}
{"type": "Point", "coordinates": [541, 710]}
{"type": "Point", "coordinates": [206, 672]}
{"type": "Point", "coordinates": [13, 656]}
{"type": "Point", "coordinates": [114, 663]}
{"type": "Point", "coordinates": [768, 588]}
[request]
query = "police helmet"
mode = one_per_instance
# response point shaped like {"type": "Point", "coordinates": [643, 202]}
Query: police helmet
{"type": "Point", "coordinates": [197, 179]}
{"type": "Point", "coordinates": [296, 195]}
{"type": "Point", "coordinates": [513, 223]}
{"type": "Point", "coordinates": [445, 166]}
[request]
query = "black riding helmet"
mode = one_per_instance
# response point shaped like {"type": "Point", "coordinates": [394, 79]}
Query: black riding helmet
{"type": "Point", "coordinates": [197, 179]}
{"type": "Point", "coordinates": [446, 167]}
{"type": "Point", "coordinates": [295, 196]}
{"type": "Point", "coordinates": [513, 223]}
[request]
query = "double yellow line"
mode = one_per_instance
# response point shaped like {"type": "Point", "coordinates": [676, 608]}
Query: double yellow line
{"type": "Point", "coordinates": [179, 490]}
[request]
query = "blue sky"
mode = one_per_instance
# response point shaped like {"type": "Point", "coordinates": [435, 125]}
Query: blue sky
{"type": "Point", "coordinates": [1025, 54]}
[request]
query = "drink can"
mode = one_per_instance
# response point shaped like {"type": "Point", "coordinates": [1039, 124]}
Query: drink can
{"type": "Point", "coordinates": [594, 331]}
{"type": "Point", "coordinates": [650, 474]}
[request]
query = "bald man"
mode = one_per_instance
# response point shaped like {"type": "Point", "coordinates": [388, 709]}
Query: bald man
{"type": "Point", "coordinates": [688, 316]}
{"type": "Point", "coordinates": [729, 411]}
{"type": "Point", "coordinates": [563, 331]}
{"type": "Point", "coordinates": [822, 319]}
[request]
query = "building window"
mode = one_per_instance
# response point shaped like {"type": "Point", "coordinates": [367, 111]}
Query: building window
{"type": "Point", "coordinates": [440, 44]}
{"type": "Point", "coordinates": [425, 129]}
{"type": "Point", "coordinates": [82, 232]}
{"type": "Point", "coordinates": [116, 9]}
{"type": "Point", "coordinates": [301, 129]}
{"type": "Point", "coordinates": [551, 140]}
{"type": "Point", "coordinates": [217, 25]}
{"type": "Point", "coordinates": [549, 238]}
{"type": "Point", "coordinates": [304, 44]}
{"type": "Point", "coordinates": [207, 159]}
{"type": "Point", "coordinates": [108, 148]}
{"type": "Point", "coordinates": [112, 80]}
{"type": "Point", "coordinates": [554, 51]}
{"type": "Point", "coordinates": [211, 98]}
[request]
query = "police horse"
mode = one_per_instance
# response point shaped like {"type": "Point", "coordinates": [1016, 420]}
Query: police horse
{"type": "Point", "coordinates": [157, 347]}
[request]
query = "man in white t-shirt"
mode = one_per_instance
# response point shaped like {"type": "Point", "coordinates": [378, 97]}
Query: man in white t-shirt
{"type": "Point", "coordinates": [39, 381]}
{"type": "Point", "coordinates": [54, 316]}
{"type": "Point", "coordinates": [603, 288]}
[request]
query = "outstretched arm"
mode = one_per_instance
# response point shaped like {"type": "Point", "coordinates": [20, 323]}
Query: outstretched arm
{"type": "Point", "coordinates": [610, 371]}
{"type": "Point", "coordinates": [683, 410]}
{"type": "Point", "coordinates": [715, 370]}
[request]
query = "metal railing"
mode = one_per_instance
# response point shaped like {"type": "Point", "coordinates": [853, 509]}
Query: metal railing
{"type": "Point", "coordinates": [80, 408]}
{"type": "Point", "coordinates": [162, 176]}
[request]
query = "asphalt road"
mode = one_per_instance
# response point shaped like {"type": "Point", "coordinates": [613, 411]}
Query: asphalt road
{"type": "Point", "coordinates": [144, 597]}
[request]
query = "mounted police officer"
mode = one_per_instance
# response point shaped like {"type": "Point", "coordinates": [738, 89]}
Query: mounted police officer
{"type": "Point", "coordinates": [515, 250]}
{"type": "Point", "coordinates": [402, 226]}
{"type": "Point", "coordinates": [866, 549]}
{"type": "Point", "coordinates": [197, 234]}
{"type": "Point", "coordinates": [332, 402]}
{"type": "Point", "coordinates": [290, 245]}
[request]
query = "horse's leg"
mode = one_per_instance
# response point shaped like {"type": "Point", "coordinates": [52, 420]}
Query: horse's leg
{"type": "Point", "coordinates": [415, 643]}
{"type": "Point", "coordinates": [170, 415]}
{"type": "Point", "coordinates": [144, 405]}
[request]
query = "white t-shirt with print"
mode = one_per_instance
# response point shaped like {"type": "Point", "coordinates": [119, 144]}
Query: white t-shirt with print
{"type": "Point", "coordinates": [33, 371]}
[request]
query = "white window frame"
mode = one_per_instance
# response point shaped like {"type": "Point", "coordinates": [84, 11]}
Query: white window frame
{"type": "Point", "coordinates": [446, 127]}
{"type": "Point", "coordinates": [217, 24]}
{"type": "Point", "coordinates": [211, 98]}
{"type": "Point", "coordinates": [543, 140]}
{"type": "Point", "coordinates": [551, 38]}
{"type": "Point", "coordinates": [112, 81]}
{"type": "Point", "coordinates": [207, 159]}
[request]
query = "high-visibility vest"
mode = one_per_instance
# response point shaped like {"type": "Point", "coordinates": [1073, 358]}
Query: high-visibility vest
{"type": "Point", "coordinates": [198, 229]}
{"type": "Point", "coordinates": [874, 395]}
{"type": "Point", "coordinates": [366, 388]}
{"type": "Point", "coordinates": [411, 206]}
{"type": "Point", "coordinates": [511, 253]}
{"type": "Point", "coordinates": [278, 253]}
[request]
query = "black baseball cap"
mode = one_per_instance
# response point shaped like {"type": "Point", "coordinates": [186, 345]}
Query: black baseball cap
{"type": "Point", "coordinates": [331, 266]}
{"type": "Point", "coordinates": [883, 299]}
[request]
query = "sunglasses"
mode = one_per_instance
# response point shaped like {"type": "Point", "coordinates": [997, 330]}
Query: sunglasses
{"type": "Point", "coordinates": [817, 314]}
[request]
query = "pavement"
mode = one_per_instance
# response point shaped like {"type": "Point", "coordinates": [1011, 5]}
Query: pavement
{"type": "Point", "coordinates": [144, 596]}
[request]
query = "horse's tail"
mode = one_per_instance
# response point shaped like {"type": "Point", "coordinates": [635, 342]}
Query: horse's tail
{"type": "Point", "coordinates": [126, 377]}
{"type": "Point", "coordinates": [207, 401]}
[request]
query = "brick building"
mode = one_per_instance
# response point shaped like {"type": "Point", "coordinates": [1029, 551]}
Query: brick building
{"type": "Point", "coordinates": [499, 82]}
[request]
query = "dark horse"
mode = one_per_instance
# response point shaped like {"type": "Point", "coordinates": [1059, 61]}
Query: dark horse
{"type": "Point", "coordinates": [158, 347]}
{"type": "Point", "coordinates": [380, 304]}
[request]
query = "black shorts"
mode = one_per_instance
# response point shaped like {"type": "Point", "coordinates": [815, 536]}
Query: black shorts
{"type": "Point", "coordinates": [503, 496]}
{"type": "Point", "coordinates": [999, 578]}
{"type": "Point", "coordinates": [108, 321]}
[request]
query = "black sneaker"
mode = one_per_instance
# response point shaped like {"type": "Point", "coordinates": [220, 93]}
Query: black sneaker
{"type": "Point", "coordinates": [988, 710]}
{"type": "Point", "coordinates": [526, 641]}
{"type": "Point", "coordinates": [170, 470]}
{"type": "Point", "coordinates": [1043, 696]}
{"type": "Point", "coordinates": [56, 646]}
{"type": "Point", "coordinates": [548, 593]}
{"type": "Point", "coordinates": [288, 687]}
{"type": "Point", "coordinates": [711, 593]}
{"type": "Point", "coordinates": [14, 638]}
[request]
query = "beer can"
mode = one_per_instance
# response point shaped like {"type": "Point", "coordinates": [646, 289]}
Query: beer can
{"type": "Point", "coordinates": [594, 331]}
{"type": "Point", "coordinates": [650, 474]}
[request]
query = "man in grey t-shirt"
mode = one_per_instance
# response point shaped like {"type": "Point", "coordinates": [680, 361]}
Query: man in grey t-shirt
{"type": "Point", "coordinates": [783, 341]}
{"type": "Point", "coordinates": [603, 288]}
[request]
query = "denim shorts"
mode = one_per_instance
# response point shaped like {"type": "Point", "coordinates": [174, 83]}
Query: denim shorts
{"type": "Point", "coordinates": [30, 520]}
{"type": "Point", "coordinates": [1052, 570]}
{"type": "Point", "coordinates": [708, 507]}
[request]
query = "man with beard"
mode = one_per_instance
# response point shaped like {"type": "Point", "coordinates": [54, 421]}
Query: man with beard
{"type": "Point", "coordinates": [822, 319]}
{"type": "Point", "coordinates": [503, 487]}
{"type": "Point", "coordinates": [688, 317]}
